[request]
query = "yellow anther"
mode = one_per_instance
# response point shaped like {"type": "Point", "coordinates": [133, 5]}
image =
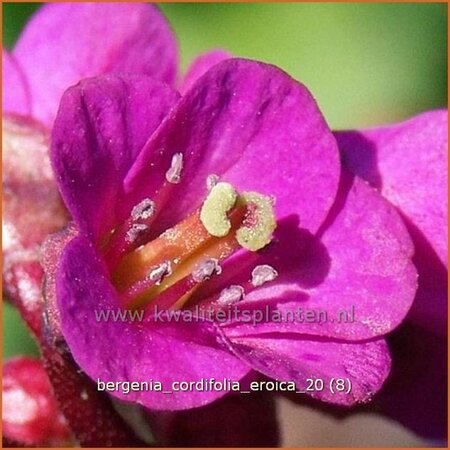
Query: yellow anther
{"type": "Point", "coordinates": [213, 214]}
{"type": "Point", "coordinates": [259, 222]}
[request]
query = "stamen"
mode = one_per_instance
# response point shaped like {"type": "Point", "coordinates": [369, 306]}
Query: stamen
{"type": "Point", "coordinates": [206, 269]}
{"type": "Point", "coordinates": [263, 274]}
{"type": "Point", "coordinates": [259, 222]}
{"type": "Point", "coordinates": [136, 230]}
{"type": "Point", "coordinates": [176, 166]}
{"type": "Point", "coordinates": [160, 272]}
{"type": "Point", "coordinates": [231, 294]}
{"type": "Point", "coordinates": [172, 268]}
{"type": "Point", "coordinates": [143, 210]}
{"type": "Point", "coordinates": [211, 181]}
{"type": "Point", "coordinates": [213, 214]}
{"type": "Point", "coordinates": [187, 244]}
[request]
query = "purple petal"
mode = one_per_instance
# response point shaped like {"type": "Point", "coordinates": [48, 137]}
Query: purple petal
{"type": "Point", "coordinates": [255, 127]}
{"type": "Point", "coordinates": [408, 163]}
{"type": "Point", "coordinates": [135, 351]}
{"type": "Point", "coordinates": [66, 42]}
{"type": "Point", "coordinates": [429, 309]}
{"type": "Point", "coordinates": [15, 95]}
{"type": "Point", "coordinates": [201, 65]}
{"type": "Point", "coordinates": [363, 366]}
{"type": "Point", "coordinates": [32, 209]}
{"type": "Point", "coordinates": [101, 126]}
{"type": "Point", "coordinates": [357, 271]}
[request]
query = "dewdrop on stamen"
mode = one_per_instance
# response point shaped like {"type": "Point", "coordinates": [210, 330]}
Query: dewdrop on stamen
{"type": "Point", "coordinates": [211, 181]}
{"type": "Point", "coordinates": [263, 274]}
{"type": "Point", "coordinates": [231, 294]}
{"type": "Point", "coordinates": [160, 272]}
{"type": "Point", "coordinates": [206, 269]}
{"type": "Point", "coordinates": [173, 175]}
{"type": "Point", "coordinates": [135, 231]}
{"type": "Point", "coordinates": [143, 210]}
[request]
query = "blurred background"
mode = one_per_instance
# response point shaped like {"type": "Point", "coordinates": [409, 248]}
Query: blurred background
{"type": "Point", "coordinates": [366, 64]}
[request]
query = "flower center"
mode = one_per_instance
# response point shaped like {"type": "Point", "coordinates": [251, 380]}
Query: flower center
{"type": "Point", "coordinates": [169, 269]}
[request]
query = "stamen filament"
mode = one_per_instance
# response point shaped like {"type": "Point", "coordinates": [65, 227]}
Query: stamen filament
{"type": "Point", "coordinates": [184, 246]}
{"type": "Point", "coordinates": [213, 248]}
{"type": "Point", "coordinates": [168, 270]}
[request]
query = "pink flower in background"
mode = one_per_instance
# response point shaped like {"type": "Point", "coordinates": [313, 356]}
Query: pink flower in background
{"type": "Point", "coordinates": [30, 414]}
{"type": "Point", "coordinates": [60, 45]}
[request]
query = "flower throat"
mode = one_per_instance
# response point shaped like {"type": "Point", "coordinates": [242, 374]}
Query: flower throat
{"type": "Point", "coordinates": [169, 269]}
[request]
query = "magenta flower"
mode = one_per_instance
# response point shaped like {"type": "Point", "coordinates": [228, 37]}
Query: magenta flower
{"type": "Point", "coordinates": [133, 160]}
{"type": "Point", "coordinates": [123, 144]}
